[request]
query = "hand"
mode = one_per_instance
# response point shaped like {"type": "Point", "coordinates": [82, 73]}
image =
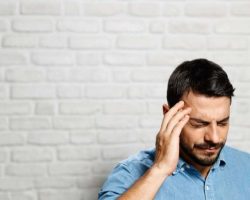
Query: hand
{"type": "Point", "coordinates": [167, 140]}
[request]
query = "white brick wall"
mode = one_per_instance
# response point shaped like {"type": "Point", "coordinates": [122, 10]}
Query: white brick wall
{"type": "Point", "coordinates": [83, 83]}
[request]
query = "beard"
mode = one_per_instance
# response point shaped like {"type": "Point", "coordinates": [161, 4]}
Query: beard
{"type": "Point", "coordinates": [198, 155]}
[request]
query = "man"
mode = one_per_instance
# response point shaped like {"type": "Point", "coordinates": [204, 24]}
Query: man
{"type": "Point", "coordinates": [190, 160]}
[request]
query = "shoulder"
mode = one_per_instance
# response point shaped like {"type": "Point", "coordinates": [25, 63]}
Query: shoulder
{"type": "Point", "coordinates": [126, 173]}
{"type": "Point", "coordinates": [235, 155]}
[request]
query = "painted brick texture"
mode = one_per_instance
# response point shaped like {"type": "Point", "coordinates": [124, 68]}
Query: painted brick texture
{"type": "Point", "coordinates": [82, 84]}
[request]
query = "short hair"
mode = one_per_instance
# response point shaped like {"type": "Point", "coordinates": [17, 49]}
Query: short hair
{"type": "Point", "coordinates": [200, 76]}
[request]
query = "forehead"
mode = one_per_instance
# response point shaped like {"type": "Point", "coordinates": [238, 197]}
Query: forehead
{"type": "Point", "coordinates": [207, 108]}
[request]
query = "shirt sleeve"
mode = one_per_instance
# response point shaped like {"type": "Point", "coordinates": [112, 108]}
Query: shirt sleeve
{"type": "Point", "coordinates": [120, 179]}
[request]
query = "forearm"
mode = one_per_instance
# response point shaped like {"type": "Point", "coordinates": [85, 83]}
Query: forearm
{"type": "Point", "coordinates": [146, 187]}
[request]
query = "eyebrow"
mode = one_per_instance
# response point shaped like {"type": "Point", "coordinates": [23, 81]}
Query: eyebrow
{"type": "Point", "coordinates": [206, 122]}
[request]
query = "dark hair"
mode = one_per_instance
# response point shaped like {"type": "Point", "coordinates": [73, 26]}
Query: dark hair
{"type": "Point", "coordinates": [199, 76]}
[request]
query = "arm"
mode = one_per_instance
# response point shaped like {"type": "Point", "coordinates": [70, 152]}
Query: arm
{"type": "Point", "coordinates": [166, 158]}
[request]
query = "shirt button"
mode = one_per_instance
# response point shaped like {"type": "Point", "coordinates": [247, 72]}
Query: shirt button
{"type": "Point", "coordinates": [207, 187]}
{"type": "Point", "coordinates": [188, 166]}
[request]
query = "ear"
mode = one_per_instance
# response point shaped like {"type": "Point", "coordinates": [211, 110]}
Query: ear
{"type": "Point", "coordinates": [165, 108]}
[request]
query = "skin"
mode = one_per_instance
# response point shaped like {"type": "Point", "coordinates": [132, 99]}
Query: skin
{"type": "Point", "coordinates": [196, 129]}
{"type": "Point", "coordinates": [206, 129]}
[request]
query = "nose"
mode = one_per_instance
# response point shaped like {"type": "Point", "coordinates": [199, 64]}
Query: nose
{"type": "Point", "coordinates": [212, 134]}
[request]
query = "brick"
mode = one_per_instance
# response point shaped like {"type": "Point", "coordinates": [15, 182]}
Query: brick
{"type": "Point", "coordinates": [91, 182]}
{"type": "Point", "coordinates": [69, 91]}
{"type": "Point", "coordinates": [88, 75]}
{"type": "Point", "coordinates": [3, 156]}
{"type": "Point", "coordinates": [48, 137]}
{"type": "Point", "coordinates": [119, 152]}
{"type": "Point", "coordinates": [123, 26]}
{"type": "Point", "coordinates": [89, 59]}
{"type": "Point", "coordinates": [234, 26]}
{"type": "Point", "coordinates": [14, 108]}
{"type": "Point", "coordinates": [106, 91]}
{"type": "Point", "coordinates": [79, 108]}
{"type": "Point", "coordinates": [3, 25]}
{"type": "Point", "coordinates": [40, 7]}
{"type": "Point", "coordinates": [191, 26]}
{"type": "Point", "coordinates": [157, 26]}
{"type": "Point", "coordinates": [32, 91]}
{"type": "Point", "coordinates": [72, 169]}
{"type": "Point", "coordinates": [125, 108]}
{"type": "Point", "coordinates": [15, 184]}
{"type": "Point", "coordinates": [116, 122]}
{"type": "Point", "coordinates": [61, 195]}
{"type": "Point", "coordinates": [53, 42]}
{"type": "Point", "coordinates": [242, 91]}
{"type": "Point", "coordinates": [137, 42]}
{"type": "Point", "coordinates": [226, 43]}
{"type": "Point", "coordinates": [2, 75]}
{"type": "Point", "coordinates": [26, 170]}
{"type": "Point", "coordinates": [25, 75]}
{"type": "Point", "coordinates": [149, 122]}
{"type": "Point", "coordinates": [117, 137]}
{"type": "Point", "coordinates": [77, 153]}
{"type": "Point", "coordinates": [71, 7]}
{"type": "Point", "coordinates": [165, 59]}
{"type": "Point", "coordinates": [8, 7]}
{"type": "Point", "coordinates": [206, 9]}
{"type": "Point", "coordinates": [147, 91]}
{"type": "Point", "coordinates": [79, 26]}
{"type": "Point", "coordinates": [148, 136]}
{"type": "Point", "coordinates": [73, 122]}
{"type": "Point", "coordinates": [58, 75]}
{"type": "Point", "coordinates": [240, 9]}
{"type": "Point", "coordinates": [8, 139]}
{"type": "Point", "coordinates": [83, 137]}
{"type": "Point", "coordinates": [3, 123]}
{"type": "Point", "coordinates": [19, 41]}
{"type": "Point", "coordinates": [239, 73]}
{"type": "Point", "coordinates": [184, 43]}
{"type": "Point", "coordinates": [122, 75]}
{"type": "Point", "coordinates": [155, 107]}
{"type": "Point", "coordinates": [150, 75]}
{"type": "Point", "coordinates": [23, 196]}
{"type": "Point", "coordinates": [144, 9]}
{"type": "Point", "coordinates": [32, 25]}
{"type": "Point", "coordinates": [90, 42]}
{"type": "Point", "coordinates": [231, 58]}
{"type": "Point", "coordinates": [55, 183]}
{"type": "Point", "coordinates": [29, 123]}
{"type": "Point", "coordinates": [172, 9]}
{"type": "Point", "coordinates": [4, 196]}
{"type": "Point", "coordinates": [29, 154]}
{"type": "Point", "coordinates": [124, 59]}
{"type": "Point", "coordinates": [91, 194]}
{"type": "Point", "coordinates": [45, 108]}
{"type": "Point", "coordinates": [52, 58]}
{"type": "Point", "coordinates": [12, 58]}
{"type": "Point", "coordinates": [103, 9]}
{"type": "Point", "coordinates": [106, 167]}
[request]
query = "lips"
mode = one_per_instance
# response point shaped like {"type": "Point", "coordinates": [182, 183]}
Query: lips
{"type": "Point", "coordinates": [209, 149]}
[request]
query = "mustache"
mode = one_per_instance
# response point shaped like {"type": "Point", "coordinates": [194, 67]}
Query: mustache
{"type": "Point", "coordinates": [208, 145]}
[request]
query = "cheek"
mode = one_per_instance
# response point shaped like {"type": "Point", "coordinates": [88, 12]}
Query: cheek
{"type": "Point", "coordinates": [192, 136]}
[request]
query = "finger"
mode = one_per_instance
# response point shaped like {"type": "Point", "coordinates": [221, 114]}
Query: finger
{"type": "Point", "coordinates": [170, 114]}
{"type": "Point", "coordinates": [178, 128]}
{"type": "Point", "coordinates": [176, 119]}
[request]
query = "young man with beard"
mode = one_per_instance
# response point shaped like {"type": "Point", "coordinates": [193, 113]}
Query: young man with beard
{"type": "Point", "coordinates": [191, 160]}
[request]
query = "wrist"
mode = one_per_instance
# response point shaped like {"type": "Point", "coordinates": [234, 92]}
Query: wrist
{"type": "Point", "coordinates": [161, 171]}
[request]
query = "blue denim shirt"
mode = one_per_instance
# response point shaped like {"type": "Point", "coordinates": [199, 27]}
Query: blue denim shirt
{"type": "Point", "coordinates": [228, 179]}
